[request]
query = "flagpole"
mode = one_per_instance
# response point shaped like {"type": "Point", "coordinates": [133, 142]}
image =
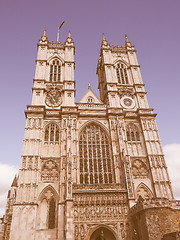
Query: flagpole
{"type": "Point", "coordinates": [58, 30]}
{"type": "Point", "coordinates": [58, 35]}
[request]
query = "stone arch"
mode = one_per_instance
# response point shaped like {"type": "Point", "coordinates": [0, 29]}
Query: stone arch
{"type": "Point", "coordinates": [139, 169]}
{"type": "Point", "coordinates": [47, 208]}
{"type": "Point", "coordinates": [117, 61]}
{"type": "Point", "coordinates": [102, 232]}
{"type": "Point", "coordinates": [143, 191]}
{"type": "Point", "coordinates": [47, 189]}
{"type": "Point", "coordinates": [50, 59]}
{"type": "Point", "coordinates": [96, 123]}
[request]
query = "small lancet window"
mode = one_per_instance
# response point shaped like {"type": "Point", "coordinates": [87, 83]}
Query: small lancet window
{"type": "Point", "coordinates": [51, 134]}
{"type": "Point", "coordinates": [122, 76]}
{"type": "Point", "coordinates": [90, 99]}
{"type": "Point", "coordinates": [132, 133]}
{"type": "Point", "coordinates": [52, 211]}
{"type": "Point", "coordinates": [55, 71]}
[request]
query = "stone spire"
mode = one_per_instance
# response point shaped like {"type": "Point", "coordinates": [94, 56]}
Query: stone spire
{"type": "Point", "coordinates": [69, 40]}
{"type": "Point", "coordinates": [14, 183]}
{"type": "Point", "coordinates": [104, 43]}
{"type": "Point", "coordinates": [44, 33]}
{"type": "Point", "coordinates": [127, 42]}
{"type": "Point", "coordinates": [44, 37]}
{"type": "Point", "coordinates": [69, 34]}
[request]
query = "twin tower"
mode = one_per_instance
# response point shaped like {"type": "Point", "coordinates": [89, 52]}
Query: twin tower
{"type": "Point", "coordinates": [92, 170]}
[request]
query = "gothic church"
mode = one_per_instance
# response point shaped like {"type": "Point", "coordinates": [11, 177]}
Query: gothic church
{"type": "Point", "coordinates": [92, 170]}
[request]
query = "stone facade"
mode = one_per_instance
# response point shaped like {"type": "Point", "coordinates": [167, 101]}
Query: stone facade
{"type": "Point", "coordinates": [93, 169]}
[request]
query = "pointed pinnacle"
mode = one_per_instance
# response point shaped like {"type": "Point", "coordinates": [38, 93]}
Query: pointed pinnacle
{"type": "Point", "coordinates": [103, 37]}
{"type": "Point", "coordinates": [44, 33]}
{"type": "Point", "coordinates": [127, 40]}
{"type": "Point", "coordinates": [89, 85]}
{"type": "Point", "coordinates": [69, 34]}
{"type": "Point", "coordinates": [14, 183]}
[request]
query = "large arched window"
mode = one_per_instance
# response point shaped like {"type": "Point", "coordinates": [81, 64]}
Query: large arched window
{"type": "Point", "coordinates": [96, 165]}
{"type": "Point", "coordinates": [51, 133]}
{"type": "Point", "coordinates": [122, 76]}
{"type": "Point", "coordinates": [55, 71]}
{"type": "Point", "coordinates": [132, 133]}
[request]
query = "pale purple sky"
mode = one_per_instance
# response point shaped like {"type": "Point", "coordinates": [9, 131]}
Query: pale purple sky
{"type": "Point", "coordinates": [152, 26]}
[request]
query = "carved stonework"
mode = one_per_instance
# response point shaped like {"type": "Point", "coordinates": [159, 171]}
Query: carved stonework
{"type": "Point", "coordinates": [49, 171]}
{"type": "Point", "coordinates": [99, 206]}
{"type": "Point", "coordinates": [126, 91]}
{"type": "Point", "coordinates": [53, 96]}
{"type": "Point", "coordinates": [143, 191]}
{"type": "Point", "coordinates": [139, 169]}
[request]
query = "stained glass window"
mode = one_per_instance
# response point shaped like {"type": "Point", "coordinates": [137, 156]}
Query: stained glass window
{"type": "Point", "coordinates": [96, 165]}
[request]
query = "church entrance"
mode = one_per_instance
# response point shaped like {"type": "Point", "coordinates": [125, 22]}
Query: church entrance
{"type": "Point", "coordinates": [102, 233]}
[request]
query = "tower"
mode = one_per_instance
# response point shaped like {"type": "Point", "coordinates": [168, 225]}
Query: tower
{"type": "Point", "coordinates": [94, 169]}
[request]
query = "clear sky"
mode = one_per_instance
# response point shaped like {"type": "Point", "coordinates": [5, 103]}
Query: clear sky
{"type": "Point", "coordinates": [152, 26]}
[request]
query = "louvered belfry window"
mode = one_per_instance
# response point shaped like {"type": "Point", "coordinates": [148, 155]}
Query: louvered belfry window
{"type": "Point", "coordinates": [96, 165]}
{"type": "Point", "coordinates": [122, 76]}
{"type": "Point", "coordinates": [55, 71]}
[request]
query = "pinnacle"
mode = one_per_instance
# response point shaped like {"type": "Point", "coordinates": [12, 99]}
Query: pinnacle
{"type": "Point", "coordinates": [69, 34]}
{"type": "Point", "coordinates": [14, 183]}
{"type": "Point", "coordinates": [44, 33]}
{"type": "Point", "coordinates": [103, 37]}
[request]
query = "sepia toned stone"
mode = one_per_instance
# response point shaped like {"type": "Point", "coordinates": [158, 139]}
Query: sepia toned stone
{"type": "Point", "coordinates": [92, 170]}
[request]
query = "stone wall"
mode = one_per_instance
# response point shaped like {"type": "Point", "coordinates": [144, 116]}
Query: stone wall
{"type": "Point", "coordinates": [153, 219]}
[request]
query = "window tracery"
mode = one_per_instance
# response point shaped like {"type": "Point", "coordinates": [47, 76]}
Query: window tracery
{"type": "Point", "coordinates": [139, 169]}
{"type": "Point", "coordinates": [122, 75]}
{"type": "Point", "coordinates": [51, 134]}
{"type": "Point", "coordinates": [55, 71]}
{"type": "Point", "coordinates": [132, 133]}
{"type": "Point", "coordinates": [47, 209]}
{"type": "Point", "coordinates": [49, 171]}
{"type": "Point", "coordinates": [143, 191]}
{"type": "Point", "coordinates": [96, 165]}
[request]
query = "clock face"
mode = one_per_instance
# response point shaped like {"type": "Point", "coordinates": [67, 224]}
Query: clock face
{"type": "Point", "coordinates": [127, 102]}
{"type": "Point", "coordinates": [53, 98]}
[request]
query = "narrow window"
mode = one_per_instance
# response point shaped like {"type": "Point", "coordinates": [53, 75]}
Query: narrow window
{"type": "Point", "coordinates": [51, 134]}
{"type": "Point", "coordinates": [55, 71]}
{"type": "Point", "coordinates": [132, 133]}
{"type": "Point", "coordinates": [52, 210]}
{"type": "Point", "coordinates": [121, 71]}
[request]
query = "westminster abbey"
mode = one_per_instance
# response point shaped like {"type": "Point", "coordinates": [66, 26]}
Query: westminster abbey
{"type": "Point", "coordinates": [93, 169]}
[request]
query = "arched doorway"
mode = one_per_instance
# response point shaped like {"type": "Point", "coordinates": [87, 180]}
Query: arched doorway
{"type": "Point", "coordinates": [102, 233]}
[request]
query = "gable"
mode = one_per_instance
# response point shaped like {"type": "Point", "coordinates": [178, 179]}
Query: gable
{"type": "Point", "coordinates": [90, 97]}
